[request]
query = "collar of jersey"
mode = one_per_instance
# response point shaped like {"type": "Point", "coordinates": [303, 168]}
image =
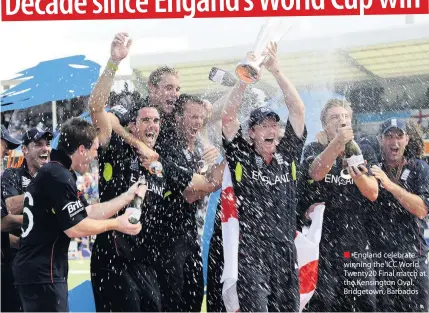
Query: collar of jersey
{"type": "Point", "coordinates": [405, 164]}
{"type": "Point", "coordinates": [61, 157]}
{"type": "Point", "coordinates": [273, 156]}
{"type": "Point", "coordinates": [25, 167]}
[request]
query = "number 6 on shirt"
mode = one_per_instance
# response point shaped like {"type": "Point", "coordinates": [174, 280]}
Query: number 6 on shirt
{"type": "Point", "coordinates": [27, 212]}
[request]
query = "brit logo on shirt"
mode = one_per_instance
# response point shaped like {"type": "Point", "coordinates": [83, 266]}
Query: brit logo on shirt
{"type": "Point", "coordinates": [74, 207]}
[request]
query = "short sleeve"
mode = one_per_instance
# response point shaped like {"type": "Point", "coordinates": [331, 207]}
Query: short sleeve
{"type": "Point", "coordinates": [290, 146]}
{"type": "Point", "coordinates": [310, 153]}
{"type": "Point", "coordinates": [69, 208]}
{"type": "Point", "coordinates": [237, 149]}
{"type": "Point", "coordinates": [82, 198]}
{"type": "Point", "coordinates": [10, 183]}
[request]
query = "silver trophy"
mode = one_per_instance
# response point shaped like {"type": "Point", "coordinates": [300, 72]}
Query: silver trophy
{"type": "Point", "coordinates": [273, 30]}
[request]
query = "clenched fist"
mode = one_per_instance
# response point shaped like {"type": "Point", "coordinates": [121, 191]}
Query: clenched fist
{"type": "Point", "coordinates": [120, 47]}
{"type": "Point", "coordinates": [344, 134]}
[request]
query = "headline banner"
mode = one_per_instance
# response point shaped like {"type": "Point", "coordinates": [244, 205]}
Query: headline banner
{"type": "Point", "coordinates": [48, 10]}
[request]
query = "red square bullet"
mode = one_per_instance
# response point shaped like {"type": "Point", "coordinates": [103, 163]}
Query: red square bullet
{"type": "Point", "coordinates": [347, 255]}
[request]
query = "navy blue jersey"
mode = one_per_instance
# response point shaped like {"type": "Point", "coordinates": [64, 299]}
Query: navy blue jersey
{"type": "Point", "coordinates": [266, 193]}
{"type": "Point", "coordinates": [52, 204]}
{"type": "Point", "coordinates": [394, 228]}
{"type": "Point", "coordinates": [346, 208]}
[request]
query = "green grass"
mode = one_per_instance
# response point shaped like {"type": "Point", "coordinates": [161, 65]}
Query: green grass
{"type": "Point", "coordinates": [78, 272]}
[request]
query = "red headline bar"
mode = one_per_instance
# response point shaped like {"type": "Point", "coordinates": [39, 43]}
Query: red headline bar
{"type": "Point", "coordinates": [50, 10]}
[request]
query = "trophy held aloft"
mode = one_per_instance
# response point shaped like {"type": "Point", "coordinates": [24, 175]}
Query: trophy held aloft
{"type": "Point", "coordinates": [249, 71]}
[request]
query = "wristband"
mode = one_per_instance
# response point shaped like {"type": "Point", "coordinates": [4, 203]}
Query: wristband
{"type": "Point", "coordinates": [112, 66]}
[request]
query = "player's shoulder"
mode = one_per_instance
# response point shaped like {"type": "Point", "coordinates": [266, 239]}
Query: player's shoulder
{"type": "Point", "coordinates": [54, 172]}
{"type": "Point", "coordinates": [313, 148]}
{"type": "Point", "coordinates": [314, 145]}
{"type": "Point", "coordinates": [419, 165]}
{"type": "Point", "coordinates": [10, 172]}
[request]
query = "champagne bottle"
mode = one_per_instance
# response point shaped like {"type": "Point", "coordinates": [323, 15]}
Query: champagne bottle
{"type": "Point", "coordinates": [353, 154]}
{"type": "Point", "coordinates": [222, 77]}
{"type": "Point", "coordinates": [134, 218]}
{"type": "Point", "coordinates": [202, 166]}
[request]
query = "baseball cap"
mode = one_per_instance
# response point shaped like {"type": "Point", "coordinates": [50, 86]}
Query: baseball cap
{"type": "Point", "coordinates": [258, 115]}
{"type": "Point", "coordinates": [35, 134]}
{"type": "Point", "coordinates": [12, 143]}
{"type": "Point", "coordinates": [393, 123]}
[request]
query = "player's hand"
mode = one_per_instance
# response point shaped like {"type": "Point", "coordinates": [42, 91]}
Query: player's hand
{"type": "Point", "coordinates": [344, 135]}
{"type": "Point", "coordinates": [209, 107]}
{"type": "Point", "coordinates": [382, 177]}
{"type": "Point", "coordinates": [311, 209]}
{"type": "Point", "coordinates": [272, 62]}
{"type": "Point", "coordinates": [124, 226]}
{"type": "Point", "coordinates": [147, 155]}
{"type": "Point", "coordinates": [120, 47]}
{"type": "Point", "coordinates": [251, 56]}
{"type": "Point", "coordinates": [210, 155]}
{"type": "Point", "coordinates": [137, 189]}
{"type": "Point", "coordinates": [357, 172]}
